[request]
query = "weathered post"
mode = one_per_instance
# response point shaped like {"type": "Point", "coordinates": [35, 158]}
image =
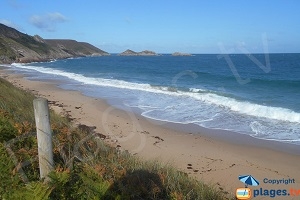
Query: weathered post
{"type": "Point", "coordinates": [44, 136]}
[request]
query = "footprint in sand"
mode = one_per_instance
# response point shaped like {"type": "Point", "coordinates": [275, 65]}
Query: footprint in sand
{"type": "Point", "coordinates": [158, 140]}
{"type": "Point", "coordinates": [190, 166]}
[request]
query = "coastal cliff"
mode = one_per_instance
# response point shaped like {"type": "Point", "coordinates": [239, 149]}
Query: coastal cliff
{"type": "Point", "coordinates": [19, 47]}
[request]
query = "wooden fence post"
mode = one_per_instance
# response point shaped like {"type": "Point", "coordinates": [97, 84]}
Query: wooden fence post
{"type": "Point", "coordinates": [44, 136]}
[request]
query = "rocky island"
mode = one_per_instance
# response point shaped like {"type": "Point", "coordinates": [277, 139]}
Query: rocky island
{"type": "Point", "coordinates": [147, 53]}
{"type": "Point", "coordinates": [19, 47]}
{"type": "Point", "coordinates": [181, 54]}
{"type": "Point", "coordinates": [129, 52]}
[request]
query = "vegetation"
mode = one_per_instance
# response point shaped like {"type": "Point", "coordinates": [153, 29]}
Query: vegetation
{"type": "Point", "coordinates": [12, 36]}
{"type": "Point", "coordinates": [85, 167]}
{"type": "Point", "coordinates": [19, 47]}
{"type": "Point", "coordinates": [31, 43]}
{"type": "Point", "coordinates": [6, 52]}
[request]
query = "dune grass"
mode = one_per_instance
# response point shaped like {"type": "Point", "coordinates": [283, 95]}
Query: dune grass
{"type": "Point", "coordinates": [85, 167]}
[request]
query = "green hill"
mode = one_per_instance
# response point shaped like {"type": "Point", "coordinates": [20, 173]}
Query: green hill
{"type": "Point", "coordinates": [19, 47]}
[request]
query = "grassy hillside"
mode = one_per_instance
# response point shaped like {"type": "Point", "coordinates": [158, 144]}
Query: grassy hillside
{"type": "Point", "coordinates": [85, 167]}
{"type": "Point", "coordinates": [6, 54]}
{"type": "Point", "coordinates": [75, 48]}
{"type": "Point", "coordinates": [19, 47]}
{"type": "Point", "coordinates": [13, 42]}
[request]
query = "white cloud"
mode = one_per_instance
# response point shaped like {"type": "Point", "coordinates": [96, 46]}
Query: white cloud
{"type": "Point", "coordinates": [56, 17]}
{"type": "Point", "coordinates": [47, 22]}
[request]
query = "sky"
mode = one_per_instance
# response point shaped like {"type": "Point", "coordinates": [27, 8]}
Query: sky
{"type": "Point", "coordinates": [163, 26]}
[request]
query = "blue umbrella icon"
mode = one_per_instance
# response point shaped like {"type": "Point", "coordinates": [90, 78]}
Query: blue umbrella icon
{"type": "Point", "coordinates": [248, 180]}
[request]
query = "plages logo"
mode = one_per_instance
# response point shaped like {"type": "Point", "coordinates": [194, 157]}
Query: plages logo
{"type": "Point", "coordinates": [247, 193]}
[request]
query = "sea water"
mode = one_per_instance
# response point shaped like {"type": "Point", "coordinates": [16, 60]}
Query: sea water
{"type": "Point", "coordinates": [257, 94]}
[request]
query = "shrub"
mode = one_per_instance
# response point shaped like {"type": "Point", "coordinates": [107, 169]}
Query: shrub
{"type": "Point", "coordinates": [7, 130]}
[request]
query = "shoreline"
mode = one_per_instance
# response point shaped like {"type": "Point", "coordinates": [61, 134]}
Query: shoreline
{"type": "Point", "coordinates": [228, 136]}
{"type": "Point", "coordinates": [208, 155]}
{"type": "Point", "coordinates": [235, 138]}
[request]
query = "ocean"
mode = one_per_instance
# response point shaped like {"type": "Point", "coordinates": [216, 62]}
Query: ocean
{"type": "Point", "coordinates": [257, 94]}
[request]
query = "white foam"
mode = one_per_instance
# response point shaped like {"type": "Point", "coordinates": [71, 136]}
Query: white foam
{"type": "Point", "coordinates": [248, 108]}
{"type": "Point", "coordinates": [242, 107]}
{"type": "Point", "coordinates": [96, 81]}
{"type": "Point", "coordinates": [196, 90]}
{"type": "Point", "coordinates": [285, 133]}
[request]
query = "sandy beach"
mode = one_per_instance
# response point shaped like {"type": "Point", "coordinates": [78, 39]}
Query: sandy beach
{"type": "Point", "coordinates": [216, 157]}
